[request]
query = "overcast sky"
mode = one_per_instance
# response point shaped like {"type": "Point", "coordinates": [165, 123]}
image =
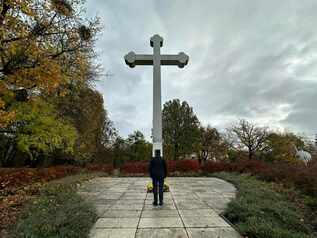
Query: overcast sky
{"type": "Point", "coordinates": [249, 59]}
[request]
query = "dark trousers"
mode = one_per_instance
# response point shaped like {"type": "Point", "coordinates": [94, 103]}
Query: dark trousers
{"type": "Point", "coordinates": [158, 184]}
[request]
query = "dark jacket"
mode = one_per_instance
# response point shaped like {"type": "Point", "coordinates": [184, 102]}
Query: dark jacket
{"type": "Point", "coordinates": [157, 168]}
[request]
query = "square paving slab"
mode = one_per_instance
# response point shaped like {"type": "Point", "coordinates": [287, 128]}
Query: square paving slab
{"type": "Point", "coordinates": [126, 207]}
{"type": "Point", "coordinates": [159, 213]}
{"type": "Point", "coordinates": [166, 206]}
{"type": "Point", "coordinates": [121, 213]}
{"type": "Point", "coordinates": [198, 212]}
{"type": "Point", "coordinates": [113, 233]}
{"type": "Point", "coordinates": [162, 222]}
{"type": "Point", "coordinates": [121, 222]}
{"type": "Point", "coordinates": [212, 233]}
{"type": "Point", "coordinates": [162, 233]}
{"type": "Point", "coordinates": [204, 222]}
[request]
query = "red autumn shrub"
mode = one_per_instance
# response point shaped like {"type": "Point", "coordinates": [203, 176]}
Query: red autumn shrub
{"type": "Point", "coordinates": [279, 172]}
{"type": "Point", "coordinates": [187, 165]}
{"type": "Point", "coordinates": [22, 176]}
{"type": "Point", "coordinates": [250, 166]}
{"type": "Point", "coordinates": [137, 167]}
{"type": "Point", "coordinates": [182, 166]}
{"type": "Point", "coordinates": [216, 166]}
{"type": "Point", "coordinates": [16, 177]}
{"type": "Point", "coordinates": [241, 166]}
{"type": "Point", "coordinates": [107, 168]}
{"type": "Point", "coordinates": [171, 166]}
{"type": "Point", "coordinates": [56, 172]}
{"type": "Point", "coordinates": [307, 180]}
{"type": "Point", "coordinates": [302, 176]}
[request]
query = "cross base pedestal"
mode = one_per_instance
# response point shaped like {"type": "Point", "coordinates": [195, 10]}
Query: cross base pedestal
{"type": "Point", "coordinates": [157, 146]}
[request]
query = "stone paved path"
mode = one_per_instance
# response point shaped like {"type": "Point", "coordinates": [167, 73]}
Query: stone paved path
{"type": "Point", "coordinates": [191, 208]}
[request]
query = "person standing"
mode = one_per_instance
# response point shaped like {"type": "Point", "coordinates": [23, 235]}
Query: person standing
{"type": "Point", "coordinates": [158, 172]}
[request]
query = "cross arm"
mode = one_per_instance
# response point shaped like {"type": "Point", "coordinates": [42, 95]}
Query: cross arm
{"type": "Point", "coordinates": [180, 60]}
{"type": "Point", "coordinates": [133, 59]}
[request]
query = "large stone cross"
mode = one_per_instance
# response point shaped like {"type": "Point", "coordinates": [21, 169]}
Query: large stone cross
{"type": "Point", "coordinates": [156, 60]}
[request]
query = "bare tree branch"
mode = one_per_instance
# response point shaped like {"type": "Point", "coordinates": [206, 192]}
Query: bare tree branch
{"type": "Point", "coordinates": [250, 136]}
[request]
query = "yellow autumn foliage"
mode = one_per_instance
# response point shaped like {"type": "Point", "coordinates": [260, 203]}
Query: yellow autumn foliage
{"type": "Point", "coordinates": [5, 117]}
{"type": "Point", "coordinates": [42, 49]}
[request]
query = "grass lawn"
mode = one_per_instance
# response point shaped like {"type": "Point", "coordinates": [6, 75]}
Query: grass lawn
{"type": "Point", "coordinates": [267, 210]}
{"type": "Point", "coordinates": [58, 211]}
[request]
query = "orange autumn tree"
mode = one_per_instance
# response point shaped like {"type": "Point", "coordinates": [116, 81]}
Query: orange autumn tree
{"type": "Point", "coordinates": [46, 52]}
{"type": "Point", "coordinates": [45, 47]}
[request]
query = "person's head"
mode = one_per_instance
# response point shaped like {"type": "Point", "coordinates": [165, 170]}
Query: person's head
{"type": "Point", "coordinates": [157, 153]}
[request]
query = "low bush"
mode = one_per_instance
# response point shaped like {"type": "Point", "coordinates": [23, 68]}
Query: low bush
{"type": "Point", "coordinates": [141, 167]}
{"type": "Point", "coordinates": [216, 166]}
{"type": "Point", "coordinates": [16, 177]}
{"type": "Point", "coordinates": [241, 166]}
{"type": "Point", "coordinates": [100, 167]}
{"type": "Point", "coordinates": [58, 212]}
{"type": "Point", "coordinates": [137, 167]}
{"type": "Point", "coordinates": [303, 177]}
{"type": "Point", "coordinates": [187, 166]}
{"type": "Point", "coordinates": [171, 166]}
{"type": "Point", "coordinates": [264, 210]}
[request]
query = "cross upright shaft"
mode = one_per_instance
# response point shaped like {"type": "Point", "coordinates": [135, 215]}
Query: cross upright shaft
{"type": "Point", "coordinates": [156, 43]}
{"type": "Point", "coordinates": [156, 60]}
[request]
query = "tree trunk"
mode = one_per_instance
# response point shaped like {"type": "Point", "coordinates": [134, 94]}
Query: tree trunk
{"type": "Point", "coordinates": [205, 155]}
{"type": "Point", "coordinates": [250, 154]}
{"type": "Point", "coordinates": [175, 151]}
{"type": "Point", "coordinates": [5, 9]}
{"type": "Point", "coordinates": [8, 156]}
